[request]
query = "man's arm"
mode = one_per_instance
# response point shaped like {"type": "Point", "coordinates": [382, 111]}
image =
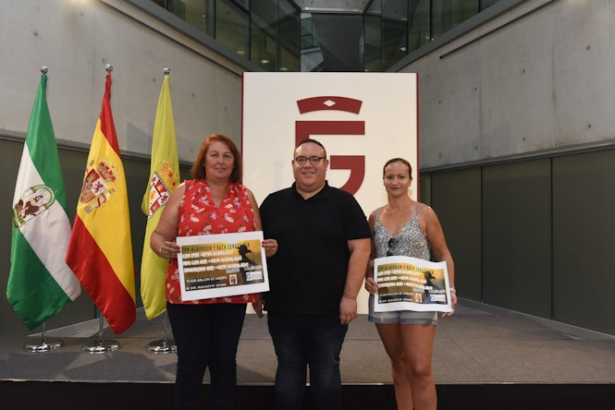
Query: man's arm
{"type": "Point", "coordinates": [359, 255]}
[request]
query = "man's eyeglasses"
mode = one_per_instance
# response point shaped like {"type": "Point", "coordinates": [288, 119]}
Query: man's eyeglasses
{"type": "Point", "coordinates": [301, 161]}
{"type": "Point", "coordinates": [392, 243]}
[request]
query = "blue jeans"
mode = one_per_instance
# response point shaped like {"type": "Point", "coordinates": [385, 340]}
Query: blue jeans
{"type": "Point", "coordinates": [206, 336]}
{"type": "Point", "coordinates": [301, 341]}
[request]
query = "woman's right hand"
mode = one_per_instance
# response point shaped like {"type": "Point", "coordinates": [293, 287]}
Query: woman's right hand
{"type": "Point", "coordinates": [370, 285]}
{"type": "Point", "coordinates": [259, 305]}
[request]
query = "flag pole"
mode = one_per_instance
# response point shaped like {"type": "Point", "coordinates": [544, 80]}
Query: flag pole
{"type": "Point", "coordinates": [103, 265]}
{"type": "Point", "coordinates": [40, 283]}
{"type": "Point", "coordinates": [99, 345]}
{"type": "Point", "coordinates": [152, 304]}
{"type": "Point", "coordinates": [165, 345]}
{"type": "Point", "coordinates": [45, 345]}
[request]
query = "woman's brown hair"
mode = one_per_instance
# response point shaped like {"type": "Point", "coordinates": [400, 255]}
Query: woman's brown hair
{"type": "Point", "coordinates": [198, 169]}
{"type": "Point", "coordinates": [403, 161]}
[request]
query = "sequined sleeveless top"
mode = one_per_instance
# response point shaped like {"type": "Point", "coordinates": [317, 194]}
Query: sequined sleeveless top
{"type": "Point", "coordinates": [410, 241]}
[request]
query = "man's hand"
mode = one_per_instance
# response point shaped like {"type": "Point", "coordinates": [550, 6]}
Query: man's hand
{"type": "Point", "coordinates": [348, 310]}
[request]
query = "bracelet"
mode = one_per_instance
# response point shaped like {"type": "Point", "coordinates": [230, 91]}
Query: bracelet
{"type": "Point", "coordinates": [453, 290]}
{"type": "Point", "coordinates": [349, 297]}
{"type": "Point", "coordinates": [160, 250]}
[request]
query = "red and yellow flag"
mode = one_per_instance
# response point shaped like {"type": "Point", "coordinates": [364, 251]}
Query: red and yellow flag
{"type": "Point", "coordinates": [100, 248]}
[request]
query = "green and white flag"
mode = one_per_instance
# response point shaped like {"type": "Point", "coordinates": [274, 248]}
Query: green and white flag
{"type": "Point", "coordinates": [40, 283]}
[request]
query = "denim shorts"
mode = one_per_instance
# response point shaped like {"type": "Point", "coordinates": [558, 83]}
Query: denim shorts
{"type": "Point", "coordinates": [404, 317]}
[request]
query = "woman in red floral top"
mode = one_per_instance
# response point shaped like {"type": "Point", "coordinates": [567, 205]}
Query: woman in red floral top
{"type": "Point", "coordinates": [207, 331]}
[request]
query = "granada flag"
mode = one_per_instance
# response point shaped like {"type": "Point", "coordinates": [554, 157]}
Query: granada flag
{"type": "Point", "coordinates": [40, 283]}
{"type": "Point", "coordinates": [164, 178]}
{"type": "Point", "coordinates": [100, 249]}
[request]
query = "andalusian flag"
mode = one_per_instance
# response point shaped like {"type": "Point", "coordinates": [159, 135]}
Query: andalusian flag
{"type": "Point", "coordinates": [100, 249]}
{"type": "Point", "coordinates": [40, 283]}
{"type": "Point", "coordinates": [164, 178]}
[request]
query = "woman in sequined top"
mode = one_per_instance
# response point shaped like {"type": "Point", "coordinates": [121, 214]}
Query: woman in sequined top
{"type": "Point", "coordinates": [207, 331]}
{"type": "Point", "coordinates": [406, 227]}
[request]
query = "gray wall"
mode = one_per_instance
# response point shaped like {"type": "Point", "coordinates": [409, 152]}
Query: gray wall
{"type": "Point", "coordinates": [523, 82]}
{"type": "Point", "coordinates": [73, 166]}
{"type": "Point", "coordinates": [517, 147]}
{"type": "Point", "coordinates": [76, 39]}
{"type": "Point", "coordinates": [516, 233]}
{"type": "Point", "coordinates": [534, 236]}
{"type": "Point", "coordinates": [583, 240]}
{"type": "Point", "coordinates": [457, 198]}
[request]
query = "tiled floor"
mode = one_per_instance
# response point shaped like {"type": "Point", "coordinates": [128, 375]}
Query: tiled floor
{"type": "Point", "coordinates": [478, 345]}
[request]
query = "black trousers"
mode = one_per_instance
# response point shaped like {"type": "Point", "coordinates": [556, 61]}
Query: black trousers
{"type": "Point", "coordinates": [206, 336]}
{"type": "Point", "coordinates": [302, 342]}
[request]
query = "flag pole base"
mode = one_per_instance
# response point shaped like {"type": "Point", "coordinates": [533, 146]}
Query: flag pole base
{"type": "Point", "coordinates": [45, 345]}
{"type": "Point", "coordinates": [101, 346]}
{"type": "Point", "coordinates": [162, 347]}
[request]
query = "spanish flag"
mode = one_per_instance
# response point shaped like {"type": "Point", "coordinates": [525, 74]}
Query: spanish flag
{"type": "Point", "coordinates": [164, 178]}
{"type": "Point", "coordinates": [100, 248]}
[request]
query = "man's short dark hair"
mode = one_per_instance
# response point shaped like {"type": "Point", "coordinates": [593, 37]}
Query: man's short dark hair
{"type": "Point", "coordinates": [313, 141]}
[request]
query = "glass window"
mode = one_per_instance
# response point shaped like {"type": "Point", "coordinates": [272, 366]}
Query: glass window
{"type": "Point", "coordinates": [245, 3]}
{"type": "Point", "coordinates": [232, 27]}
{"type": "Point", "coordinates": [276, 36]}
{"type": "Point", "coordinates": [193, 12]}
{"type": "Point", "coordinates": [264, 47]}
{"type": "Point", "coordinates": [289, 30]}
{"type": "Point", "coordinates": [394, 31]}
{"type": "Point", "coordinates": [289, 60]}
{"type": "Point", "coordinates": [307, 32]}
{"type": "Point", "coordinates": [375, 8]}
{"type": "Point", "coordinates": [163, 3]}
{"type": "Point", "coordinates": [311, 56]}
{"type": "Point", "coordinates": [373, 37]}
{"type": "Point", "coordinates": [419, 24]}
{"type": "Point", "coordinates": [487, 3]}
{"type": "Point", "coordinates": [448, 14]}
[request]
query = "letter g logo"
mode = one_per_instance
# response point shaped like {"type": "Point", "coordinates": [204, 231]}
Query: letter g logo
{"type": "Point", "coordinates": [304, 129]}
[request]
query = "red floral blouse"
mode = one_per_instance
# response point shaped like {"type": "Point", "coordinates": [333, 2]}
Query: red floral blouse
{"type": "Point", "coordinates": [198, 215]}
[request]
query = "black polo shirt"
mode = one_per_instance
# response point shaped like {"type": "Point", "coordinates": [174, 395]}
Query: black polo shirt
{"type": "Point", "coordinates": [307, 275]}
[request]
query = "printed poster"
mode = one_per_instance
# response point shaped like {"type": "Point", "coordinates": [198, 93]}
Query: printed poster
{"type": "Point", "coordinates": [222, 265]}
{"type": "Point", "coordinates": [407, 283]}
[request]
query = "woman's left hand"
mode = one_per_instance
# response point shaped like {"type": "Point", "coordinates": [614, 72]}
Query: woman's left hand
{"type": "Point", "coordinates": [270, 246]}
{"type": "Point", "coordinates": [169, 250]}
{"type": "Point", "coordinates": [370, 285]}
{"type": "Point", "coordinates": [453, 305]}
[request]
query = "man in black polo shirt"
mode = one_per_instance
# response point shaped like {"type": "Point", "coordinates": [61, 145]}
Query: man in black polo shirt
{"type": "Point", "coordinates": [315, 276]}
